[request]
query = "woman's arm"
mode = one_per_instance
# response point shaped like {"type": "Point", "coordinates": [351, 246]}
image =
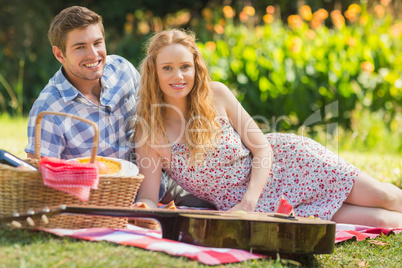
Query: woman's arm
{"type": "Point", "coordinates": [253, 139]}
{"type": "Point", "coordinates": [150, 165]}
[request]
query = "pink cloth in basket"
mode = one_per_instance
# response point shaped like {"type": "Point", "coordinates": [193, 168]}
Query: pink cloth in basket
{"type": "Point", "coordinates": [71, 177]}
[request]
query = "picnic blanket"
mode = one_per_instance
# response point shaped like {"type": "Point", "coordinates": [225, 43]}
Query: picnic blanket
{"type": "Point", "coordinates": [346, 232]}
{"type": "Point", "coordinates": [152, 240]}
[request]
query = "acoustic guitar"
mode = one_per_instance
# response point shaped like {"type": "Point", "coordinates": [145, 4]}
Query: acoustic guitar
{"type": "Point", "coordinates": [259, 232]}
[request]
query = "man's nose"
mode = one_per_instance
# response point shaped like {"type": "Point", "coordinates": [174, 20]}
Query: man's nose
{"type": "Point", "coordinates": [92, 51]}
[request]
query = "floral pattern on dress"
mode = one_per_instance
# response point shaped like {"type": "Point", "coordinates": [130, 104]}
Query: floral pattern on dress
{"type": "Point", "coordinates": [313, 179]}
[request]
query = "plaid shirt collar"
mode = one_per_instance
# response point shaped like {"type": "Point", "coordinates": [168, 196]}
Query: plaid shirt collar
{"type": "Point", "coordinates": [68, 92]}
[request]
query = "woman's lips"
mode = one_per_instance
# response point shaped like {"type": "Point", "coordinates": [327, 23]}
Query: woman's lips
{"type": "Point", "coordinates": [178, 86]}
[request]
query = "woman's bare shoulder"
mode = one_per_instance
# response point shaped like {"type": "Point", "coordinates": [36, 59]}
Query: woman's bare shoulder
{"type": "Point", "coordinates": [219, 89]}
{"type": "Point", "coordinates": [223, 96]}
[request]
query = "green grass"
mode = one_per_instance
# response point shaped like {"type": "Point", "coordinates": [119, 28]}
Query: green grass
{"type": "Point", "coordinates": [22, 248]}
{"type": "Point", "coordinates": [13, 135]}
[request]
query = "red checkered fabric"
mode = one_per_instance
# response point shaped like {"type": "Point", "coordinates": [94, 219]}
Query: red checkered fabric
{"type": "Point", "coordinates": [71, 177]}
{"type": "Point", "coordinates": [359, 232]}
{"type": "Point", "coordinates": [152, 240]}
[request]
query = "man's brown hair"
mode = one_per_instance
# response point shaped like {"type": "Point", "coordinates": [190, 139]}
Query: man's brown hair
{"type": "Point", "coordinates": [69, 19]}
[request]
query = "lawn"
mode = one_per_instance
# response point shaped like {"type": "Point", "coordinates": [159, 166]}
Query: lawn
{"type": "Point", "coordinates": [21, 248]}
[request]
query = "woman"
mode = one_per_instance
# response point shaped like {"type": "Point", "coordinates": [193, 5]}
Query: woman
{"type": "Point", "coordinates": [198, 132]}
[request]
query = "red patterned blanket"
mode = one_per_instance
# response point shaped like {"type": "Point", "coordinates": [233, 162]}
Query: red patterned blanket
{"type": "Point", "coordinates": [152, 240]}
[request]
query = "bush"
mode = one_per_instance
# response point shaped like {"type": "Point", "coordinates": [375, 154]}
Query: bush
{"type": "Point", "coordinates": [297, 69]}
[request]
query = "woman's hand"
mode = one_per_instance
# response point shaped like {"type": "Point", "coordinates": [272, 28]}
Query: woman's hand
{"type": "Point", "coordinates": [144, 203]}
{"type": "Point", "coordinates": [244, 206]}
{"type": "Point", "coordinates": [139, 205]}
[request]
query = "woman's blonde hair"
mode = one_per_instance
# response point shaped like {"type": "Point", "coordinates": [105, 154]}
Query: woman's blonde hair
{"type": "Point", "coordinates": [202, 115]}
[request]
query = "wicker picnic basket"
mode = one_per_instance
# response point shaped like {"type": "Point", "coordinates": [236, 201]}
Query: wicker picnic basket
{"type": "Point", "coordinates": [22, 190]}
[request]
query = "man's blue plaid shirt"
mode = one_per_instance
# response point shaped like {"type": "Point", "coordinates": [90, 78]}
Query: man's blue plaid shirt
{"type": "Point", "coordinates": [68, 138]}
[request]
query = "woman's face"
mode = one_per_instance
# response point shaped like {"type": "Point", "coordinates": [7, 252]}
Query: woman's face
{"type": "Point", "coordinates": [176, 71]}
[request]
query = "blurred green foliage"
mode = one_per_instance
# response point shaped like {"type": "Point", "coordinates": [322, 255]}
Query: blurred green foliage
{"type": "Point", "coordinates": [26, 59]}
{"type": "Point", "coordinates": [288, 62]}
{"type": "Point", "coordinates": [296, 69]}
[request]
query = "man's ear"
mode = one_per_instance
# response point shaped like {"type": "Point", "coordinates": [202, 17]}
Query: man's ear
{"type": "Point", "coordinates": [58, 54]}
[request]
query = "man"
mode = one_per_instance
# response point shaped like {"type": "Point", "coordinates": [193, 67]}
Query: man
{"type": "Point", "coordinates": [89, 84]}
{"type": "Point", "coordinates": [92, 85]}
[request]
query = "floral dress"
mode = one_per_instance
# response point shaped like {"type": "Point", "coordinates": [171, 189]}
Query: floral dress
{"type": "Point", "coordinates": [313, 179]}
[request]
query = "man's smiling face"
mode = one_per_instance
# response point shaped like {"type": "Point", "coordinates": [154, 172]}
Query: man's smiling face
{"type": "Point", "coordinates": [85, 54]}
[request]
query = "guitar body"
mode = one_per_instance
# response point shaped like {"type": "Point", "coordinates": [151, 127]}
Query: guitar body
{"type": "Point", "coordinates": [259, 232]}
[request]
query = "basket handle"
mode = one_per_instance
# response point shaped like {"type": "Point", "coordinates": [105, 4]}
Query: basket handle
{"type": "Point", "coordinates": [38, 129]}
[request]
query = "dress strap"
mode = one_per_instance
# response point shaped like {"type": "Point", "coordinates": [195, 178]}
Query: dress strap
{"type": "Point", "coordinates": [168, 140]}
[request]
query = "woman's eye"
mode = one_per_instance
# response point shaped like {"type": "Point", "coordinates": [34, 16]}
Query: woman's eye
{"type": "Point", "coordinates": [186, 67]}
{"type": "Point", "coordinates": [166, 68]}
